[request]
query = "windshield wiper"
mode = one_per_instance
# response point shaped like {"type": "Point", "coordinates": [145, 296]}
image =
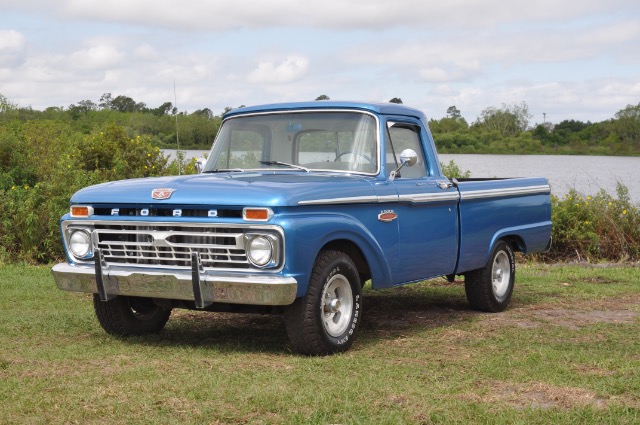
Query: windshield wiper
{"type": "Point", "coordinates": [297, 167]}
{"type": "Point", "coordinates": [225, 170]}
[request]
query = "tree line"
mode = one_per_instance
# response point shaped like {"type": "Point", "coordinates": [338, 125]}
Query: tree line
{"type": "Point", "coordinates": [503, 129]}
{"type": "Point", "coordinates": [507, 129]}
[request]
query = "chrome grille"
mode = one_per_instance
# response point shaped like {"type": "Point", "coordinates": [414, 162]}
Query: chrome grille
{"type": "Point", "coordinates": [149, 244]}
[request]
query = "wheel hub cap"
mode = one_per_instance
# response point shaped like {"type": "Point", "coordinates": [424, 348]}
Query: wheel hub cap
{"type": "Point", "coordinates": [501, 274]}
{"type": "Point", "coordinates": [337, 305]}
{"type": "Point", "coordinates": [333, 306]}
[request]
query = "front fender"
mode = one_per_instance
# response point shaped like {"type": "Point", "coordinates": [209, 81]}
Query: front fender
{"type": "Point", "coordinates": [307, 234]}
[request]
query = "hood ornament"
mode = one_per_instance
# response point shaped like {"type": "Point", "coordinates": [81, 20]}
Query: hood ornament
{"type": "Point", "coordinates": [162, 193]}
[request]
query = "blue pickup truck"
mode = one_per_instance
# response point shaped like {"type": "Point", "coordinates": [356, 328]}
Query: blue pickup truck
{"type": "Point", "coordinates": [297, 206]}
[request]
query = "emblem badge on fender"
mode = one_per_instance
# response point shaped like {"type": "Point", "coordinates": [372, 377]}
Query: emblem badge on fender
{"type": "Point", "coordinates": [387, 216]}
{"type": "Point", "coordinates": [163, 193]}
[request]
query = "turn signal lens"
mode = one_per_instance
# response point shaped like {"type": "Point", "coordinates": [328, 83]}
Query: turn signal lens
{"type": "Point", "coordinates": [257, 214]}
{"type": "Point", "coordinates": [79, 211]}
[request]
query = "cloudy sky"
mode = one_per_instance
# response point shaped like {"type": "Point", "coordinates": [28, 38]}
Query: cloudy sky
{"type": "Point", "coordinates": [569, 59]}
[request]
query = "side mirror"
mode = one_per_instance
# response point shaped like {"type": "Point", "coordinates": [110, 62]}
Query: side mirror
{"type": "Point", "coordinates": [408, 158]}
{"type": "Point", "coordinates": [200, 162]}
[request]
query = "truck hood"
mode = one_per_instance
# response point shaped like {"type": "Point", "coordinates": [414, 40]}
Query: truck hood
{"type": "Point", "coordinates": [255, 189]}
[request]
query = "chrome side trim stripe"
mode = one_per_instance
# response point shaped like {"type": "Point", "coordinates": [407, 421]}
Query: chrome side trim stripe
{"type": "Point", "coordinates": [387, 198]}
{"type": "Point", "coordinates": [417, 198]}
{"type": "Point", "coordinates": [414, 198]}
{"type": "Point", "coordinates": [494, 193]}
{"type": "Point", "coordinates": [349, 200]}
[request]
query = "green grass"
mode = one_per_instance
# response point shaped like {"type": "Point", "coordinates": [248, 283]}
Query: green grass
{"type": "Point", "coordinates": [566, 351]}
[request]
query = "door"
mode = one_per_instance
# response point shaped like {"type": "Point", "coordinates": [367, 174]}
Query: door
{"type": "Point", "coordinates": [427, 208]}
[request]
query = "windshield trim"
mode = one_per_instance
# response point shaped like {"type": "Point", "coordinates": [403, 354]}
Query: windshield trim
{"type": "Point", "coordinates": [308, 110]}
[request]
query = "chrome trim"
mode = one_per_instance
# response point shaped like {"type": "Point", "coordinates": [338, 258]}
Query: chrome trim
{"type": "Point", "coordinates": [348, 200]}
{"type": "Point", "coordinates": [90, 211]}
{"type": "Point", "coordinates": [387, 198]}
{"type": "Point", "coordinates": [260, 220]}
{"type": "Point", "coordinates": [412, 197]}
{"type": "Point", "coordinates": [306, 110]}
{"type": "Point", "coordinates": [275, 249]}
{"type": "Point", "coordinates": [160, 244]}
{"type": "Point", "coordinates": [178, 284]}
{"type": "Point", "coordinates": [494, 193]}
{"type": "Point", "coordinates": [418, 198]}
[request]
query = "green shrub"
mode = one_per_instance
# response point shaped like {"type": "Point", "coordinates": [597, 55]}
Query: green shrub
{"type": "Point", "coordinates": [42, 163]}
{"type": "Point", "coordinates": [111, 154]}
{"type": "Point", "coordinates": [599, 227]}
{"type": "Point", "coordinates": [453, 171]}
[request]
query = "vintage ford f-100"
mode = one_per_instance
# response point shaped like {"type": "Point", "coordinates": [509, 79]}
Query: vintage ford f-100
{"type": "Point", "coordinates": [296, 207]}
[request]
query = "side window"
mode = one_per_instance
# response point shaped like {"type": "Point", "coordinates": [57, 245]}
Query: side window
{"type": "Point", "coordinates": [405, 136]}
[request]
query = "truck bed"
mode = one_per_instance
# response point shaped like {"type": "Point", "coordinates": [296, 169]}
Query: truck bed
{"type": "Point", "coordinates": [497, 208]}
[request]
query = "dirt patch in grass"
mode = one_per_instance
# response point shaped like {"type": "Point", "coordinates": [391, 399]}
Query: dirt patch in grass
{"type": "Point", "coordinates": [576, 316]}
{"type": "Point", "coordinates": [391, 316]}
{"type": "Point", "coordinates": [536, 396]}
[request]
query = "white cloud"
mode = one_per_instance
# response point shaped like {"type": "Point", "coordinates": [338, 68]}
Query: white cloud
{"type": "Point", "coordinates": [102, 56]}
{"type": "Point", "coordinates": [573, 59]}
{"type": "Point", "coordinates": [204, 15]}
{"type": "Point", "coordinates": [291, 69]}
{"type": "Point", "coordinates": [146, 52]}
{"type": "Point", "coordinates": [12, 48]}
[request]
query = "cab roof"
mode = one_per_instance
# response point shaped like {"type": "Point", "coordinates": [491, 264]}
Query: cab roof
{"type": "Point", "coordinates": [379, 108]}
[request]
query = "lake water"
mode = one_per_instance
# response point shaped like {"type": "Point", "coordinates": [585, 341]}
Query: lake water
{"type": "Point", "coordinates": [587, 174]}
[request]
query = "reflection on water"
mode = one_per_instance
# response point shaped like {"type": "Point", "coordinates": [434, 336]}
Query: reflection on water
{"type": "Point", "coordinates": [587, 174]}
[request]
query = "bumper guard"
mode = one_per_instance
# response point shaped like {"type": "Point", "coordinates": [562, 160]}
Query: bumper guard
{"type": "Point", "coordinates": [190, 285]}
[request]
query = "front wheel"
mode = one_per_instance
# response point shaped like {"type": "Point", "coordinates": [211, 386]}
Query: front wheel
{"type": "Point", "coordinates": [326, 320]}
{"type": "Point", "coordinates": [490, 288]}
{"type": "Point", "coordinates": [125, 316]}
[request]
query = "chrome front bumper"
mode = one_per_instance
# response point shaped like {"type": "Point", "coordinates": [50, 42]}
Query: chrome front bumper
{"type": "Point", "coordinates": [189, 285]}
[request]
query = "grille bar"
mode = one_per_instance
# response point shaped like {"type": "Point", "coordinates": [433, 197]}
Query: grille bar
{"type": "Point", "coordinates": [148, 244]}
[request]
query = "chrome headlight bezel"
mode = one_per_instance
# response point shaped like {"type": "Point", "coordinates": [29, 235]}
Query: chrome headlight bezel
{"type": "Point", "coordinates": [80, 243]}
{"type": "Point", "coordinates": [262, 249]}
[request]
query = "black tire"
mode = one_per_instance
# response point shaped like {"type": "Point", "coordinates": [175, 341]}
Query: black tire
{"type": "Point", "coordinates": [326, 320]}
{"type": "Point", "coordinates": [490, 288]}
{"type": "Point", "coordinates": [126, 316]}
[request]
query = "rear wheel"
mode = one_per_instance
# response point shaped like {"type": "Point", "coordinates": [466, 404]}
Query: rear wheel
{"type": "Point", "coordinates": [490, 288]}
{"type": "Point", "coordinates": [126, 316]}
{"type": "Point", "coordinates": [326, 320]}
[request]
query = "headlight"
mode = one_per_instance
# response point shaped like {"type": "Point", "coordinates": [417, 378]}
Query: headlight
{"type": "Point", "coordinates": [80, 243]}
{"type": "Point", "coordinates": [260, 249]}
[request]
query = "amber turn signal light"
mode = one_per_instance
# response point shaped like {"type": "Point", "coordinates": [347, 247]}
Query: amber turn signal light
{"type": "Point", "coordinates": [78, 211]}
{"type": "Point", "coordinates": [257, 214]}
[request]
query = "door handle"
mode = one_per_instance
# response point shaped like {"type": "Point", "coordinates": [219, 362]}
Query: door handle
{"type": "Point", "coordinates": [444, 184]}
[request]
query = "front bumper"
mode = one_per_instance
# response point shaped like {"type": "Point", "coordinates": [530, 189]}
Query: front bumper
{"type": "Point", "coordinates": [202, 287]}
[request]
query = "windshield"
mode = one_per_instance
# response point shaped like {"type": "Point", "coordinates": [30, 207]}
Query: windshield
{"type": "Point", "coordinates": [301, 141]}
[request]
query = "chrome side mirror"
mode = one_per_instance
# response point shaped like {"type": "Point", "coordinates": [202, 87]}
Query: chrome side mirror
{"type": "Point", "coordinates": [408, 158]}
{"type": "Point", "coordinates": [200, 162]}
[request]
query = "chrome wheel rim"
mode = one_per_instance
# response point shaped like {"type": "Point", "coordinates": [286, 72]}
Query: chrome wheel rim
{"type": "Point", "coordinates": [337, 305]}
{"type": "Point", "coordinates": [501, 274]}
